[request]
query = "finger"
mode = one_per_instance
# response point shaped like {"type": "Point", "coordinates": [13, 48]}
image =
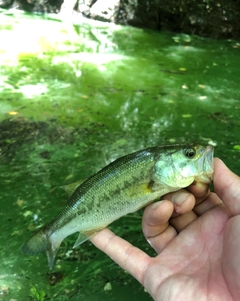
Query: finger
{"type": "Point", "coordinates": [160, 241]}
{"type": "Point", "coordinates": [130, 258]}
{"type": "Point", "coordinates": [182, 221]}
{"type": "Point", "coordinates": [227, 186]}
{"type": "Point", "coordinates": [199, 190]}
{"type": "Point", "coordinates": [155, 224]}
{"type": "Point", "coordinates": [209, 203]}
{"type": "Point", "coordinates": [183, 201]}
{"type": "Point", "coordinates": [155, 218]}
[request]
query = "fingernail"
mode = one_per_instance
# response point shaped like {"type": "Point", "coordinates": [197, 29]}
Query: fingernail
{"type": "Point", "coordinates": [179, 197]}
{"type": "Point", "coordinates": [156, 205]}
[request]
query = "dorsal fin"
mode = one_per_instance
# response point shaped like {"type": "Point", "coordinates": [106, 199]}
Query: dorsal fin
{"type": "Point", "coordinates": [70, 188]}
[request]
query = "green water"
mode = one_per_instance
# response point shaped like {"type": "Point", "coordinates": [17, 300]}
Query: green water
{"type": "Point", "coordinates": [72, 99]}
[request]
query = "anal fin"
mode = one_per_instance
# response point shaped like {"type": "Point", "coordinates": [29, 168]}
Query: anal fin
{"type": "Point", "coordinates": [83, 236]}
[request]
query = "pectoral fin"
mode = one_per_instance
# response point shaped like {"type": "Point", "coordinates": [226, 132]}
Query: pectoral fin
{"type": "Point", "coordinates": [138, 190]}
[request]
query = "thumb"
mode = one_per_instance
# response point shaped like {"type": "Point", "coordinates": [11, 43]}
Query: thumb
{"type": "Point", "coordinates": [227, 186]}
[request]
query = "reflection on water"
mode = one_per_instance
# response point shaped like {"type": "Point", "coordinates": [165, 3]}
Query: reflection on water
{"type": "Point", "coordinates": [74, 98]}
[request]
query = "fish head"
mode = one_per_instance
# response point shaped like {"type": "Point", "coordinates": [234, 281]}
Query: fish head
{"type": "Point", "coordinates": [179, 166]}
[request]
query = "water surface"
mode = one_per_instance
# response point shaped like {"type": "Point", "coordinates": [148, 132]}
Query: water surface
{"type": "Point", "coordinates": [74, 98]}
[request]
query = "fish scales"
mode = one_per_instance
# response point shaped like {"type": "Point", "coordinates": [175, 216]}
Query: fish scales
{"type": "Point", "coordinates": [95, 194]}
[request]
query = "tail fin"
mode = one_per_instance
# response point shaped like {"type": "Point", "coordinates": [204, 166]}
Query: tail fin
{"type": "Point", "coordinates": [39, 243]}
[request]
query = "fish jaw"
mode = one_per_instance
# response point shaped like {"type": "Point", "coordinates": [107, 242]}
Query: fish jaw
{"type": "Point", "coordinates": [206, 165]}
{"type": "Point", "coordinates": [175, 169]}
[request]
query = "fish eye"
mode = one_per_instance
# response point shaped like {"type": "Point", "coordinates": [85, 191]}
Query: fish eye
{"type": "Point", "coordinates": [190, 153]}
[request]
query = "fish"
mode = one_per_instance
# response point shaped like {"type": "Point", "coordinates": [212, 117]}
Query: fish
{"type": "Point", "coordinates": [122, 187]}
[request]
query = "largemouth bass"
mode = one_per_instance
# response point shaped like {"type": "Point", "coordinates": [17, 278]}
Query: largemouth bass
{"type": "Point", "coordinates": [124, 186]}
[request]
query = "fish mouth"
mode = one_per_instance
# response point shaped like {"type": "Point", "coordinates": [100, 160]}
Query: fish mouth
{"type": "Point", "coordinates": [206, 165]}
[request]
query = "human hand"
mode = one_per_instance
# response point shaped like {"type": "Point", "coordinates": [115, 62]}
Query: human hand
{"type": "Point", "coordinates": [196, 236]}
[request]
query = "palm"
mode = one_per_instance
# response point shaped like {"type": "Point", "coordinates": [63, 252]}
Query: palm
{"type": "Point", "coordinates": [197, 262]}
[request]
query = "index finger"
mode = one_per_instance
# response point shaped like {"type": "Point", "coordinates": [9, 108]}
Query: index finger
{"type": "Point", "coordinates": [199, 190]}
{"type": "Point", "coordinates": [130, 258]}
